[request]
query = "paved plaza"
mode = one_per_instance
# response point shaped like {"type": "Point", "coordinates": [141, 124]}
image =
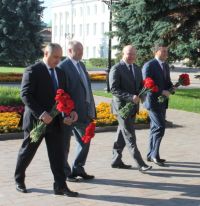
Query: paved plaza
{"type": "Point", "coordinates": [174, 185]}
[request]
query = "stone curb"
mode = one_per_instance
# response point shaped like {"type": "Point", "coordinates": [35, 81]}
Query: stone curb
{"type": "Point", "coordinates": [19, 135]}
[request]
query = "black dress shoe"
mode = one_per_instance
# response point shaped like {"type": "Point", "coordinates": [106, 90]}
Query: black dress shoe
{"type": "Point", "coordinates": [160, 160]}
{"type": "Point", "coordinates": [21, 187]}
{"type": "Point", "coordinates": [65, 191]}
{"type": "Point", "coordinates": [71, 178]}
{"type": "Point", "coordinates": [84, 175]}
{"type": "Point", "coordinates": [145, 168]}
{"type": "Point", "coordinates": [156, 161]}
{"type": "Point", "coordinates": [122, 166]}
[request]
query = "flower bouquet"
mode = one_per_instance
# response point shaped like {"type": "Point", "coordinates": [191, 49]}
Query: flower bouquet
{"type": "Point", "coordinates": [89, 133]}
{"type": "Point", "coordinates": [64, 104]}
{"type": "Point", "coordinates": [184, 80]}
{"type": "Point", "coordinates": [148, 85]}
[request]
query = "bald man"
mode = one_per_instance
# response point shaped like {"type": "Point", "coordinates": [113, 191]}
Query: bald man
{"type": "Point", "coordinates": [125, 81]}
{"type": "Point", "coordinates": [38, 89]}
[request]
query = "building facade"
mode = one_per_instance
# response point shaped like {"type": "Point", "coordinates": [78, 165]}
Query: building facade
{"type": "Point", "coordinates": [84, 20]}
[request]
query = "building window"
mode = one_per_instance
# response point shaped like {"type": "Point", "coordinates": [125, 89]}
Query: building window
{"type": "Point", "coordinates": [103, 8]}
{"type": "Point", "coordinates": [94, 52]}
{"type": "Point", "coordinates": [87, 29]}
{"type": "Point", "coordinates": [74, 12]}
{"type": "Point", "coordinates": [80, 29]}
{"type": "Point", "coordinates": [61, 30]}
{"type": "Point", "coordinates": [67, 28]}
{"type": "Point", "coordinates": [81, 11]}
{"type": "Point", "coordinates": [95, 9]}
{"type": "Point", "coordinates": [101, 51]}
{"type": "Point", "coordinates": [94, 28]}
{"type": "Point", "coordinates": [73, 29]}
{"type": "Point", "coordinates": [55, 30]}
{"type": "Point", "coordinates": [87, 52]}
{"type": "Point", "coordinates": [102, 28]}
{"type": "Point", "coordinates": [88, 10]}
{"type": "Point", "coordinates": [55, 18]}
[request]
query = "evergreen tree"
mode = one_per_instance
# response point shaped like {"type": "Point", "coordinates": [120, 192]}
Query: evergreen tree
{"type": "Point", "coordinates": [173, 22]}
{"type": "Point", "coordinates": [20, 23]}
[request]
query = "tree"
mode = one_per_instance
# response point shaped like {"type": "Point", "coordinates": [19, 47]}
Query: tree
{"type": "Point", "coordinates": [173, 22]}
{"type": "Point", "coordinates": [20, 23]}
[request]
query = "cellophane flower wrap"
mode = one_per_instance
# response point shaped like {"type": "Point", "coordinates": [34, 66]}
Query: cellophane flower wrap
{"type": "Point", "coordinates": [184, 80]}
{"type": "Point", "coordinates": [148, 86]}
{"type": "Point", "coordinates": [64, 104]}
{"type": "Point", "coordinates": [89, 133]}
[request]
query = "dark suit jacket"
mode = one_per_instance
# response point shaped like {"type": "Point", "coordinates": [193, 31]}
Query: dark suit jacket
{"type": "Point", "coordinates": [77, 90]}
{"type": "Point", "coordinates": [123, 86]}
{"type": "Point", "coordinates": [37, 92]}
{"type": "Point", "coordinates": [153, 70]}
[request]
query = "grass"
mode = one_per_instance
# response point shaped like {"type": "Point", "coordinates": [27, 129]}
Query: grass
{"type": "Point", "coordinates": [10, 96]}
{"type": "Point", "coordinates": [12, 69]}
{"type": "Point", "coordinates": [184, 99]}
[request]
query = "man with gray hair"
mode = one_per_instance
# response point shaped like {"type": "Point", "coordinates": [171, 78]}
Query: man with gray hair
{"type": "Point", "coordinates": [79, 87]}
{"type": "Point", "coordinates": [38, 89]}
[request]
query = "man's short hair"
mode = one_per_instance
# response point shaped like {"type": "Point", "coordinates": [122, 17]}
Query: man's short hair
{"type": "Point", "coordinates": [157, 47]}
{"type": "Point", "coordinates": [51, 47]}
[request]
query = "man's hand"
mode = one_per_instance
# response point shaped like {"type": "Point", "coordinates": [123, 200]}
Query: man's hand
{"type": "Point", "coordinates": [46, 118]}
{"type": "Point", "coordinates": [136, 99]}
{"type": "Point", "coordinates": [166, 93]}
{"type": "Point", "coordinates": [67, 120]}
{"type": "Point", "coordinates": [74, 116]}
{"type": "Point", "coordinates": [71, 119]}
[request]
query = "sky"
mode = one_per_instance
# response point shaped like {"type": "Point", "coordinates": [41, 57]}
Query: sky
{"type": "Point", "coordinates": [47, 11]}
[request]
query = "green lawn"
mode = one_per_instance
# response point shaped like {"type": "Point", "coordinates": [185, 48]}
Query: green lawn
{"type": "Point", "coordinates": [184, 99]}
{"type": "Point", "coordinates": [12, 69]}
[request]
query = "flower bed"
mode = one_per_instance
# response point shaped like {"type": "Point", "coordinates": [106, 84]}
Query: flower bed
{"type": "Point", "coordinates": [106, 118]}
{"type": "Point", "coordinates": [9, 122]}
{"type": "Point", "coordinates": [11, 115]}
{"type": "Point", "coordinates": [10, 77]}
{"type": "Point", "coordinates": [17, 77]}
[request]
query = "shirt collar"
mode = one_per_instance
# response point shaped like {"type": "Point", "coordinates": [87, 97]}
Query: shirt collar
{"type": "Point", "coordinates": [159, 61]}
{"type": "Point", "coordinates": [74, 61]}
{"type": "Point", "coordinates": [47, 66]}
{"type": "Point", "coordinates": [126, 63]}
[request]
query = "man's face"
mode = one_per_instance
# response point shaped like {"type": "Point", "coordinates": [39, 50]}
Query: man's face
{"type": "Point", "coordinates": [76, 53]}
{"type": "Point", "coordinates": [129, 55]}
{"type": "Point", "coordinates": [53, 58]}
{"type": "Point", "coordinates": [162, 53]}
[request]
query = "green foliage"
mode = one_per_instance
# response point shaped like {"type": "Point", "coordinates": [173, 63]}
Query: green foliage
{"type": "Point", "coordinates": [10, 96]}
{"type": "Point", "coordinates": [20, 23]}
{"type": "Point", "coordinates": [100, 62]}
{"type": "Point", "coordinates": [11, 69]}
{"type": "Point", "coordinates": [144, 22]}
{"type": "Point", "coordinates": [184, 99]}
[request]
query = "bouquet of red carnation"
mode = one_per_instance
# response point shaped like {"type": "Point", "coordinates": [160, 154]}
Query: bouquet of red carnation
{"type": "Point", "coordinates": [184, 80]}
{"type": "Point", "coordinates": [64, 104]}
{"type": "Point", "coordinates": [89, 133]}
{"type": "Point", "coordinates": [148, 85]}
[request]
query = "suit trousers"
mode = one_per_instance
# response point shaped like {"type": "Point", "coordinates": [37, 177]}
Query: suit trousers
{"type": "Point", "coordinates": [126, 136]}
{"type": "Point", "coordinates": [157, 130]}
{"type": "Point", "coordinates": [82, 149]}
{"type": "Point", "coordinates": [54, 143]}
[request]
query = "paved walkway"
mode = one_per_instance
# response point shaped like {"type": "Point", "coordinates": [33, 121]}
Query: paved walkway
{"type": "Point", "coordinates": [176, 184]}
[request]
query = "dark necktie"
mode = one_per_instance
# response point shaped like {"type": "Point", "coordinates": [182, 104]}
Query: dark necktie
{"type": "Point", "coordinates": [164, 70]}
{"type": "Point", "coordinates": [85, 82]}
{"type": "Point", "coordinates": [131, 70]}
{"type": "Point", "coordinates": [55, 85]}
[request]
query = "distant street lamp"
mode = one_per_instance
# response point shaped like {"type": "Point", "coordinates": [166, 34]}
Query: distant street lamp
{"type": "Point", "coordinates": [109, 4]}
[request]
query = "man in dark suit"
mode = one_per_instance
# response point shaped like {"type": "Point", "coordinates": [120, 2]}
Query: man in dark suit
{"type": "Point", "coordinates": [79, 88]}
{"type": "Point", "coordinates": [158, 70]}
{"type": "Point", "coordinates": [39, 84]}
{"type": "Point", "coordinates": [125, 81]}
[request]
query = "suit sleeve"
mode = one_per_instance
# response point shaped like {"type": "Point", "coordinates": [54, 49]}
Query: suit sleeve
{"type": "Point", "coordinates": [28, 89]}
{"type": "Point", "coordinates": [114, 82]}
